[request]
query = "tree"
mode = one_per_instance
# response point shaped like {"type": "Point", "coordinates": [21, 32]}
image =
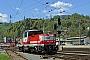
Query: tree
{"type": "Point", "coordinates": [69, 23]}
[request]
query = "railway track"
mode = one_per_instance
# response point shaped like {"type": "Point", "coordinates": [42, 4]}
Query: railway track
{"type": "Point", "coordinates": [61, 55]}
{"type": "Point", "coordinates": [14, 55]}
{"type": "Point", "coordinates": [68, 55]}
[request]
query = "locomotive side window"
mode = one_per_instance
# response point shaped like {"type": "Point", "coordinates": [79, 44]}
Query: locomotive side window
{"type": "Point", "coordinates": [25, 34]}
{"type": "Point", "coordinates": [46, 37]}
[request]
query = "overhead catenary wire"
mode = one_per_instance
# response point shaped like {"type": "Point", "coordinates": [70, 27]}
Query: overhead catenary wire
{"type": "Point", "coordinates": [23, 10]}
{"type": "Point", "coordinates": [73, 7]}
{"type": "Point", "coordinates": [69, 1]}
{"type": "Point", "coordinates": [21, 4]}
{"type": "Point", "coordinates": [65, 11]}
{"type": "Point", "coordinates": [9, 6]}
{"type": "Point", "coordinates": [46, 4]}
{"type": "Point", "coordinates": [19, 8]}
{"type": "Point", "coordinates": [36, 6]}
{"type": "Point", "coordinates": [28, 7]}
{"type": "Point", "coordinates": [75, 1]}
{"type": "Point", "coordinates": [16, 4]}
{"type": "Point", "coordinates": [81, 5]}
{"type": "Point", "coordinates": [49, 6]}
{"type": "Point", "coordinates": [53, 8]}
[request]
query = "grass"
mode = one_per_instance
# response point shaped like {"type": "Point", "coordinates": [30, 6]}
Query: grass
{"type": "Point", "coordinates": [4, 57]}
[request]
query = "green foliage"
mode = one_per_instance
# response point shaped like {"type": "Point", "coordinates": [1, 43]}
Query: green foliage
{"type": "Point", "coordinates": [70, 23]}
{"type": "Point", "coordinates": [3, 27]}
{"type": "Point", "coordinates": [4, 57]}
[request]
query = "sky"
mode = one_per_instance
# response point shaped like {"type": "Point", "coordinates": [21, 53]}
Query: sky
{"type": "Point", "coordinates": [15, 10]}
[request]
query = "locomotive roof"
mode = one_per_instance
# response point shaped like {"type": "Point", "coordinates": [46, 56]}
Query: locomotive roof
{"type": "Point", "coordinates": [46, 34]}
{"type": "Point", "coordinates": [32, 30]}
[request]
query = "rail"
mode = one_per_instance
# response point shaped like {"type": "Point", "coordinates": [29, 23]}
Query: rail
{"type": "Point", "coordinates": [14, 55]}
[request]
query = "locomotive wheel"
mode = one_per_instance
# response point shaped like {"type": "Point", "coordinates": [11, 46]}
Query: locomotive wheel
{"type": "Point", "coordinates": [20, 49]}
{"type": "Point", "coordinates": [29, 50]}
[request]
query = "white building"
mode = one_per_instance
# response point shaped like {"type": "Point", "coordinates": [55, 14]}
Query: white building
{"type": "Point", "coordinates": [72, 41]}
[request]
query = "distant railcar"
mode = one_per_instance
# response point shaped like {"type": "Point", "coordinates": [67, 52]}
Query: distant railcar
{"type": "Point", "coordinates": [7, 44]}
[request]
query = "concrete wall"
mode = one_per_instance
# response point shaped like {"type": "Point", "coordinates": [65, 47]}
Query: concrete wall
{"type": "Point", "coordinates": [87, 40]}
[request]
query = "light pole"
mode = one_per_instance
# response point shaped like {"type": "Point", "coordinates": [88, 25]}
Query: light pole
{"type": "Point", "coordinates": [79, 34]}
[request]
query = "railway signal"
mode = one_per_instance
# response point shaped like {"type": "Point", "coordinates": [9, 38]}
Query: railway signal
{"type": "Point", "coordinates": [54, 35]}
{"type": "Point", "coordinates": [55, 26]}
{"type": "Point", "coordinates": [59, 22]}
{"type": "Point", "coordinates": [59, 32]}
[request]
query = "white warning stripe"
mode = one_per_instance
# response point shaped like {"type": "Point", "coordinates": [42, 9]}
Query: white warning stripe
{"type": "Point", "coordinates": [35, 41]}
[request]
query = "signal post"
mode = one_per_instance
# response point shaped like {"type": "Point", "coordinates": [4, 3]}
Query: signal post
{"type": "Point", "coordinates": [58, 31]}
{"type": "Point", "coordinates": [60, 48]}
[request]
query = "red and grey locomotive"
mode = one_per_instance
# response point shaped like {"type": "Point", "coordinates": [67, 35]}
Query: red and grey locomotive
{"type": "Point", "coordinates": [37, 41]}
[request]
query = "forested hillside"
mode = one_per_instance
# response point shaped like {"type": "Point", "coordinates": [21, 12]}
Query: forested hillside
{"type": "Point", "coordinates": [71, 24]}
{"type": "Point", "coordinates": [3, 27]}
